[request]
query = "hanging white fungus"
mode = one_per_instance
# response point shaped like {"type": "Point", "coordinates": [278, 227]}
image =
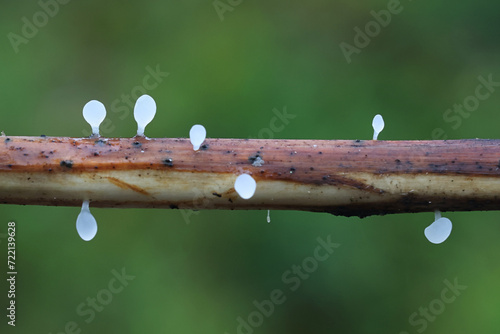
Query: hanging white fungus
{"type": "Point", "coordinates": [86, 224]}
{"type": "Point", "coordinates": [144, 112]}
{"type": "Point", "coordinates": [197, 135]}
{"type": "Point", "coordinates": [245, 186]}
{"type": "Point", "coordinates": [94, 113]}
{"type": "Point", "coordinates": [439, 230]}
{"type": "Point", "coordinates": [268, 216]}
{"type": "Point", "coordinates": [378, 126]}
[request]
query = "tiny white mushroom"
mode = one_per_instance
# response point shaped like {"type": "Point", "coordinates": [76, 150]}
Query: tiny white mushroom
{"type": "Point", "coordinates": [86, 224]}
{"type": "Point", "coordinates": [268, 216]}
{"type": "Point", "coordinates": [94, 113]}
{"type": "Point", "coordinates": [245, 186]}
{"type": "Point", "coordinates": [439, 230]}
{"type": "Point", "coordinates": [378, 126]}
{"type": "Point", "coordinates": [144, 112]}
{"type": "Point", "coordinates": [197, 135]}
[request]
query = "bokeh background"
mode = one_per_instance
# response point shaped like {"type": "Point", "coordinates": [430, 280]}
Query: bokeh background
{"type": "Point", "coordinates": [229, 67]}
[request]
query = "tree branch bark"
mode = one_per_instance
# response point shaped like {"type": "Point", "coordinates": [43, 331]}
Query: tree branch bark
{"type": "Point", "coordinates": [342, 177]}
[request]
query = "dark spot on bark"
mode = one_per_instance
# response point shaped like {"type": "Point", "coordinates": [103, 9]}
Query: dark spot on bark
{"type": "Point", "coordinates": [320, 152]}
{"type": "Point", "coordinates": [311, 168]}
{"type": "Point", "coordinates": [126, 157]}
{"type": "Point", "coordinates": [7, 140]}
{"type": "Point", "coordinates": [218, 195]}
{"type": "Point", "coordinates": [50, 169]}
{"type": "Point", "coordinates": [397, 161]}
{"type": "Point", "coordinates": [95, 167]}
{"type": "Point", "coordinates": [100, 142]}
{"type": "Point", "coordinates": [96, 154]}
{"type": "Point", "coordinates": [9, 165]}
{"type": "Point", "coordinates": [256, 160]}
{"type": "Point", "coordinates": [66, 163]}
{"type": "Point", "coordinates": [25, 154]}
{"type": "Point", "coordinates": [173, 206]}
{"type": "Point", "coordinates": [204, 147]}
{"type": "Point", "coordinates": [230, 200]}
{"type": "Point", "coordinates": [228, 152]}
{"type": "Point", "coordinates": [136, 144]}
{"type": "Point", "coordinates": [292, 170]}
{"type": "Point", "coordinates": [168, 162]}
{"type": "Point", "coordinates": [43, 136]}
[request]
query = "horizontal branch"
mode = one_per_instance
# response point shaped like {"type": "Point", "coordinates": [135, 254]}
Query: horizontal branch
{"type": "Point", "coordinates": [343, 177]}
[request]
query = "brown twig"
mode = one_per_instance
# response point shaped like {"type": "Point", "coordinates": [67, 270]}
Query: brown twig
{"type": "Point", "coordinates": [344, 177]}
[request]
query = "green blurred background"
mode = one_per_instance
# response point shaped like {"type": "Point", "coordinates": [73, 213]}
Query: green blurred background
{"type": "Point", "coordinates": [228, 72]}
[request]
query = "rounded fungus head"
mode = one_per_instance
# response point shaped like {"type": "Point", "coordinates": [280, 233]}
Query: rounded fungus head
{"type": "Point", "coordinates": [378, 126]}
{"type": "Point", "coordinates": [94, 113]}
{"type": "Point", "coordinates": [144, 112]}
{"type": "Point", "coordinates": [245, 186]}
{"type": "Point", "coordinates": [197, 135]}
{"type": "Point", "coordinates": [439, 230]}
{"type": "Point", "coordinates": [86, 224]}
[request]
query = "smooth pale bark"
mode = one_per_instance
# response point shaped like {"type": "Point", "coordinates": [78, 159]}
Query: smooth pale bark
{"type": "Point", "coordinates": [344, 177]}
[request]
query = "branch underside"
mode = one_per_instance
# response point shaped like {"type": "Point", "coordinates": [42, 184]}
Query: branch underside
{"type": "Point", "coordinates": [342, 177]}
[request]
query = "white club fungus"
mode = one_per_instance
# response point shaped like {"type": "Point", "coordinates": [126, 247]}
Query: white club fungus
{"type": "Point", "coordinates": [197, 135]}
{"type": "Point", "coordinates": [86, 224]}
{"type": "Point", "coordinates": [378, 126]}
{"type": "Point", "coordinates": [94, 113]}
{"type": "Point", "coordinates": [439, 230]}
{"type": "Point", "coordinates": [245, 186]}
{"type": "Point", "coordinates": [144, 112]}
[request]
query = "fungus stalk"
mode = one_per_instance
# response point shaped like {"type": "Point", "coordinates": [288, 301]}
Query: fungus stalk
{"type": "Point", "coordinates": [342, 177]}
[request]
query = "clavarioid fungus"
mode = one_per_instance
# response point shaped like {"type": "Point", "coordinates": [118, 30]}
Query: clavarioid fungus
{"type": "Point", "coordinates": [197, 136]}
{"type": "Point", "coordinates": [439, 230]}
{"type": "Point", "coordinates": [245, 186]}
{"type": "Point", "coordinates": [86, 224]}
{"type": "Point", "coordinates": [378, 126]}
{"type": "Point", "coordinates": [144, 112]}
{"type": "Point", "coordinates": [94, 113]}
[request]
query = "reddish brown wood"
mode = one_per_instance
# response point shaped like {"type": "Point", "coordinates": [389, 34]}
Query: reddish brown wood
{"type": "Point", "coordinates": [356, 175]}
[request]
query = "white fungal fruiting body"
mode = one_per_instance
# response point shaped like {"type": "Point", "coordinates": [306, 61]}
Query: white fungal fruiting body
{"type": "Point", "coordinates": [268, 216]}
{"type": "Point", "coordinates": [378, 126]}
{"type": "Point", "coordinates": [86, 224]}
{"type": "Point", "coordinates": [197, 136]}
{"type": "Point", "coordinates": [94, 113]}
{"type": "Point", "coordinates": [439, 230]}
{"type": "Point", "coordinates": [245, 186]}
{"type": "Point", "coordinates": [144, 112]}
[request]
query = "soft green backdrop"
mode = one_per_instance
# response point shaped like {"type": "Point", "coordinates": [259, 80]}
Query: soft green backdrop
{"type": "Point", "coordinates": [229, 75]}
